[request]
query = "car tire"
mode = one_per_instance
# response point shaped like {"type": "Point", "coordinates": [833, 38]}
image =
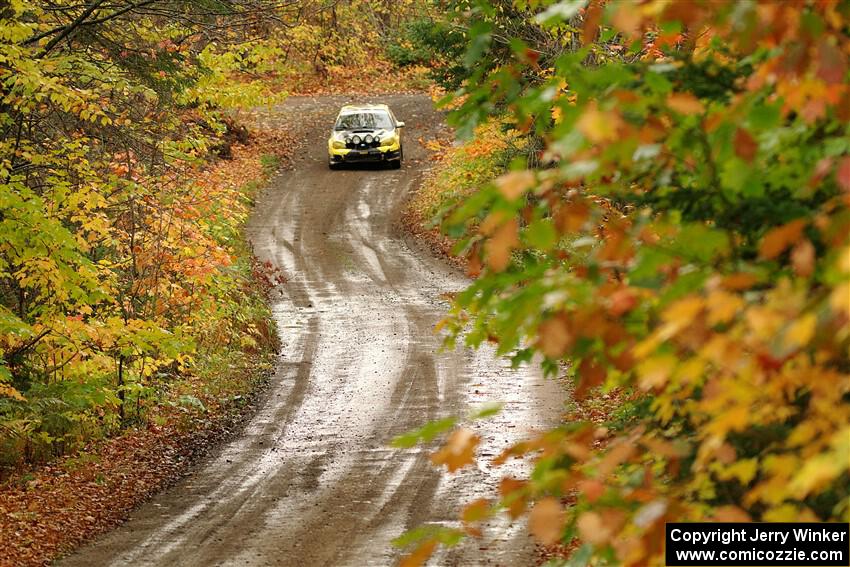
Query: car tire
{"type": "Point", "coordinates": [396, 164]}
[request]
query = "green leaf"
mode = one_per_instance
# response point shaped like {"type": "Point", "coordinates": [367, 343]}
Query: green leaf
{"type": "Point", "coordinates": [541, 234]}
{"type": "Point", "coordinates": [442, 534]}
{"type": "Point", "coordinates": [764, 116]}
{"type": "Point", "coordinates": [701, 242]}
{"type": "Point", "coordinates": [425, 433]}
{"type": "Point", "coordinates": [486, 411]}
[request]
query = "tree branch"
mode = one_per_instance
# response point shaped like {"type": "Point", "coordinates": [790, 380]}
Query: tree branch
{"type": "Point", "coordinates": [67, 30]}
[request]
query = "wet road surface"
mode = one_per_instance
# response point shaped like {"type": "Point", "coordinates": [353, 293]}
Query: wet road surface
{"type": "Point", "coordinates": [311, 480]}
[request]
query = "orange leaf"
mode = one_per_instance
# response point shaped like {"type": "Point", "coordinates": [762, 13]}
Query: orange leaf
{"type": "Point", "coordinates": [622, 301]}
{"type": "Point", "coordinates": [598, 126]}
{"type": "Point", "coordinates": [546, 521]}
{"type": "Point", "coordinates": [572, 216]}
{"type": "Point", "coordinates": [513, 495]}
{"type": "Point", "coordinates": [501, 244]}
{"type": "Point", "coordinates": [803, 258]}
{"type": "Point", "coordinates": [777, 240]}
{"type": "Point", "coordinates": [627, 18]}
{"type": "Point", "coordinates": [731, 514]}
{"type": "Point", "coordinates": [613, 458]}
{"type": "Point", "coordinates": [590, 376]}
{"type": "Point", "coordinates": [458, 451]}
{"type": "Point", "coordinates": [512, 185]}
{"type": "Point", "coordinates": [592, 489]}
{"type": "Point", "coordinates": [420, 555]}
{"type": "Point", "coordinates": [592, 529]}
{"type": "Point", "coordinates": [746, 146]}
{"type": "Point", "coordinates": [554, 337]}
{"type": "Point", "coordinates": [592, 17]}
{"type": "Point", "coordinates": [476, 511]}
{"type": "Point", "coordinates": [842, 174]}
{"type": "Point", "coordinates": [685, 103]}
{"type": "Point", "coordinates": [831, 63]}
{"type": "Point", "coordinates": [739, 281]}
{"type": "Point", "coordinates": [473, 261]}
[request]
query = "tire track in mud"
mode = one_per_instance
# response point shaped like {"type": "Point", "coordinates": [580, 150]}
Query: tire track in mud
{"type": "Point", "coordinates": [311, 480]}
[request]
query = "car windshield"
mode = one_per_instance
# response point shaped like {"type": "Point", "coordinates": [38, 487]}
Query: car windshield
{"type": "Point", "coordinates": [371, 120]}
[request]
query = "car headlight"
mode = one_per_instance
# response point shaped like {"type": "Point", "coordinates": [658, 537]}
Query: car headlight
{"type": "Point", "coordinates": [338, 144]}
{"type": "Point", "coordinates": [368, 138]}
{"type": "Point", "coordinates": [355, 139]}
{"type": "Point", "coordinates": [389, 140]}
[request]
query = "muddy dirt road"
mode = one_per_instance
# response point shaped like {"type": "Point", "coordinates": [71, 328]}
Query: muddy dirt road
{"type": "Point", "coordinates": [311, 480]}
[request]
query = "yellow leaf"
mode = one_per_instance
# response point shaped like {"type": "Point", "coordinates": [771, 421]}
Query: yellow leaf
{"type": "Point", "coordinates": [10, 392]}
{"type": "Point", "coordinates": [764, 322]}
{"type": "Point", "coordinates": [681, 314]}
{"type": "Point", "coordinates": [788, 512]}
{"type": "Point", "coordinates": [654, 372]}
{"type": "Point", "coordinates": [839, 299]}
{"type": "Point", "coordinates": [691, 370]}
{"type": "Point", "coordinates": [802, 434]}
{"type": "Point", "coordinates": [801, 331]}
{"type": "Point", "coordinates": [557, 114]}
{"type": "Point", "coordinates": [744, 470]}
{"type": "Point", "coordinates": [723, 306]}
{"type": "Point", "coordinates": [734, 419]}
{"type": "Point", "coordinates": [818, 471]}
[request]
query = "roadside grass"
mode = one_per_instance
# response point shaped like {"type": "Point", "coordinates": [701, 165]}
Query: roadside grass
{"type": "Point", "coordinates": [460, 169]}
{"type": "Point", "coordinates": [270, 163]}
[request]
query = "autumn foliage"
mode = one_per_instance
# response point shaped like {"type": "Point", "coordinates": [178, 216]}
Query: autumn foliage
{"type": "Point", "coordinates": [122, 269]}
{"type": "Point", "coordinates": [681, 238]}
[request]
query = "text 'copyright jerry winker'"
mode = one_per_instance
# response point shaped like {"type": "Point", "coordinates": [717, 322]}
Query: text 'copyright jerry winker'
{"type": "Point", "coordinates": [763, 544]}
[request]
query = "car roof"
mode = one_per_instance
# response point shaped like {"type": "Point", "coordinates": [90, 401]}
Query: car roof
{"type": "Point", "coordinates": [353, 108]}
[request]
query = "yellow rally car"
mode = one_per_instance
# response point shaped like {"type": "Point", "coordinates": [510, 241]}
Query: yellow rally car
{"type": "Point", "coordinates": [365, 133]}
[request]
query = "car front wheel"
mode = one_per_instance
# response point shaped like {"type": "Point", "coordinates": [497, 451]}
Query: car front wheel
{"type": "Point", "coordinates": [396, 164]}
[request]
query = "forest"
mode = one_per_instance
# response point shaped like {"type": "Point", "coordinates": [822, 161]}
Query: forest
{"type": "Point", "coordinates": [650, 198]}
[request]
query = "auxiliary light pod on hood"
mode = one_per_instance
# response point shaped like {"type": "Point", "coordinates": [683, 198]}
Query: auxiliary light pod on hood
{"type": "Point", "coordinates": [363, 138]}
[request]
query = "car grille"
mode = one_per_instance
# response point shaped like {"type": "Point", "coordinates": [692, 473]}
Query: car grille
{"type": "Point", "coordinates": [364, 156]}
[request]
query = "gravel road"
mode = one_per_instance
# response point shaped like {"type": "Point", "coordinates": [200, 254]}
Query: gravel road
{"type": "Point", "coordinates": [311, 480]}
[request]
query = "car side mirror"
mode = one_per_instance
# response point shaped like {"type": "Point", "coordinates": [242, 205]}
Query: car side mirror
{"type": "Point", "coordinates": [399, 124]}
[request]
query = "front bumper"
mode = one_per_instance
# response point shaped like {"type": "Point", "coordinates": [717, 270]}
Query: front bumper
{"type": "Point", "coordinates": [346, 155]}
